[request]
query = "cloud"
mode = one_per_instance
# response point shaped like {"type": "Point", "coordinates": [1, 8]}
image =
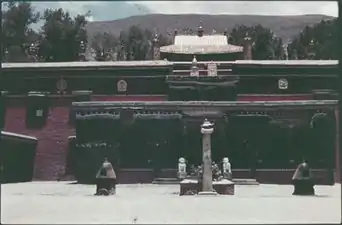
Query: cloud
{"type": "Point", "coordinates": [100, 10]}
{"type": "Point", "coordinates": [243, 7]}
{"type": "Point", "coordinates": [106, 10]}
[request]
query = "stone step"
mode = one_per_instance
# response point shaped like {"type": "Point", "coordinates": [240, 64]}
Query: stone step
{"type": "Point", "coordinates": [245, 182]}
{"type": "Point", "coordinates": [161, 180]}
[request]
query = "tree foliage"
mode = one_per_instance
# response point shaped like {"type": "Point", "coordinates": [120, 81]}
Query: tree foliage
{"type": "Point", "coordinates": [134, 43]}
{"type": "Point", "coordinates": [16, 31]}
{"type": "Point", "coordinates": [104, 47]}
{"type": "Point", "coordinates": [316, 42]}
{"type": "Point", "coordinates": [62, 35]}
{"type": "Point", "coordinates": [266, 45]}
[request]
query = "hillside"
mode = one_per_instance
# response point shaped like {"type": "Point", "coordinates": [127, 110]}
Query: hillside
{"type": "Point", "coordinates": [284, 26]}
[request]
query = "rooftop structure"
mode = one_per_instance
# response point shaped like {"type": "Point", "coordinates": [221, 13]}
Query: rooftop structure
{"type": "Point", "coordinates": [206, 44]}
{"type": "Point", "coordinates": [213, 46]}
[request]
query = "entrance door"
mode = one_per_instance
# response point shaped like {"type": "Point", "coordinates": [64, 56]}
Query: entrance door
{"type": "Point", "coordinates": [134, 149]}
{"type": "Point", "coordinates": [165, 144]}
{"type": "Point", "coordinates": [247, 136]}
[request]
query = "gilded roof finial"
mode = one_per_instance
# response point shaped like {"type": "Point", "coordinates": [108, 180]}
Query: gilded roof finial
{"type": "Point", "coordinates": [194, 60]}
{"type": "Point", "coordinates": [225, 32]}
{"type": "Point", "coordinates": [156, 38]}
{"type": "Point", "coordinates": [200, 29]}
{"type": "Point", "coordinates": [247, 37]}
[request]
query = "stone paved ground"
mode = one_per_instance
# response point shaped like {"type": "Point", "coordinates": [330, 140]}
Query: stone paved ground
{"type": "Point", "coordinates": [60, 202]}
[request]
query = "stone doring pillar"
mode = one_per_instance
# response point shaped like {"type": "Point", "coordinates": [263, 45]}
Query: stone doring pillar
{"type": "Point", "coordinates": [37, 109]}
{"type": "Point", "coordinates": [207, 129]}
{"type": "Point", "coordinates": [247, 48]}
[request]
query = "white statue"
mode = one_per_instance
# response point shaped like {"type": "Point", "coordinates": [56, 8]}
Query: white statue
{"type": "Point", "coordinates": [227, 170]}
{"type": "Point", "coordinates": [181, 168]}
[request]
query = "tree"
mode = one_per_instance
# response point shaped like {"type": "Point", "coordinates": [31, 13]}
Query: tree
{"type": "Point", "coordinates": [316, 42]}
{"type": "Point", "coordinates": [136, 43]}
{"type": "Point", "coordinates": [62, 35]}
{"type": "Point", "coordinates": [105, 46]}
{"type": "Point", "coordinates": [16, 34]}
{"type": "Point", "coordinates": [266, 45]}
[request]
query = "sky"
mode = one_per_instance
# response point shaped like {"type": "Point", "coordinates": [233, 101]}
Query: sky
{"type": "Point", "coordinates": [244, 7]}
{"type": "Point", "coordinates": [106, 10]}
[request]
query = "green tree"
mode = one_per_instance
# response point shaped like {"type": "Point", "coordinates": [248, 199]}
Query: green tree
{"type": "Point", "coordinates": [106, 46]}
{"type": "Point", "coordinates": [16, 32]}
{"type": "Point", "coordinates": [316, 42]}
{"type": "Point", "coordinates": [266, 45]}
{"type": "Point", "coordinates": [62, 35]}
{"type": "Point", "coordinates": [136, 43]}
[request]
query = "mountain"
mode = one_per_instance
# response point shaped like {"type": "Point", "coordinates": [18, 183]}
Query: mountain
{"type": "Point", "coordinates": [99, 10]}
{"type": "Point", "coordinates": [283, 26]}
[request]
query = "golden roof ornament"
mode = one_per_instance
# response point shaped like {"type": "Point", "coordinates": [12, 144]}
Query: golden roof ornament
{"type": "Point", "coordinates": [200, 30]}
{"type": "Point", "coordinates": [194, 68]}
{"type": "Point", "coordinates": [194, 60]}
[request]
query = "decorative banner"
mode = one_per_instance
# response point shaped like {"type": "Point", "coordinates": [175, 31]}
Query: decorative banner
{"type": "Point", "coordinates": [121, 86]}
{"type": "Point", "coordinates": [283, 84]}
{"type": "Point", "coordinates": [61, 85]}
{"type": "Point", "coordinates": [212, 69]}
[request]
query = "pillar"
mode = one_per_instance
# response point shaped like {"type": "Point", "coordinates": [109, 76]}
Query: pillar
{"type": "Point", "coordinates": [207, 129]}
{"type": "Point", "coordinates": [337, 147]}
{"type": "Point", "coordinates": [3, 109]}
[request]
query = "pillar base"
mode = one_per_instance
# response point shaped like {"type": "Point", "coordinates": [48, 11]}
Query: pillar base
{"type": "Point", "coordinates": [208, 193]}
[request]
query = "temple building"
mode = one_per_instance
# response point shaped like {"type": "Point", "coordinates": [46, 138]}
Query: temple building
{"type": "Point", "coordinates": [144, 115]}
{"type": "Point", "coordinates": [214, 47]}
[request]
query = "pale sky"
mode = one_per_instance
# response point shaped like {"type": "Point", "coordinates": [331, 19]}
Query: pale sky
{"type": "Point", "coordinates": [111, 10]}
{"type": "Point", "coordinates": [244, 7]}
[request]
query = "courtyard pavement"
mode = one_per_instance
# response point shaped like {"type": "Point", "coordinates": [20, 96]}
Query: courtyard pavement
{"type": "Point", "coordinates": [62, 202]}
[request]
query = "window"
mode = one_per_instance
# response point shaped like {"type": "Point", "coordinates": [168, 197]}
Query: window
{"type": "Point", "coordinates": [37, 111]}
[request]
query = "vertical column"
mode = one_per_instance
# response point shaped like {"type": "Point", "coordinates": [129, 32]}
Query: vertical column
{"type": "Point", "coordinates": [337, 147]}
{"type": "Point", "coordinates": [207, 129]}
{"type": "Point", "coordinates": [2, 126]}
{"type": "Point", "coordinates": [2, 109]}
